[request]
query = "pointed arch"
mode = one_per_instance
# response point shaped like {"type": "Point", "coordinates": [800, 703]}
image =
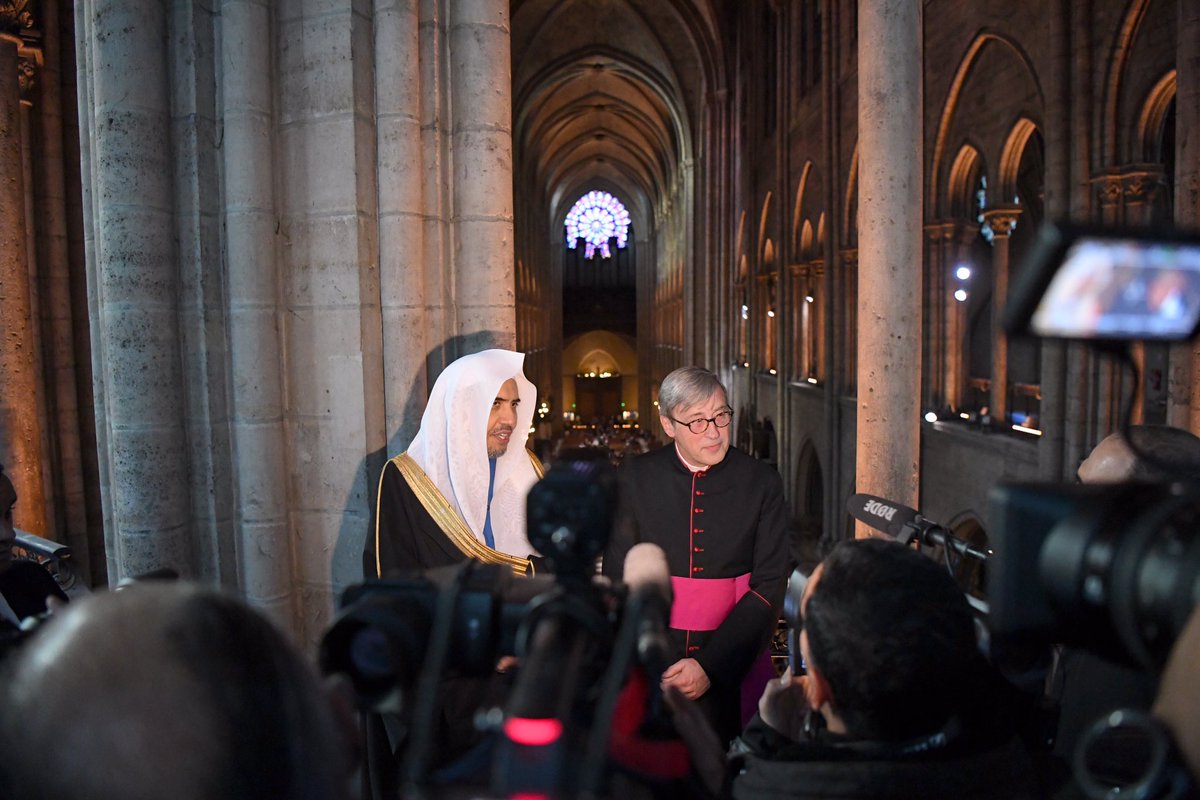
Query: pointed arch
{"type": "Point", "coordinates": [762, 228]}
{"type": "Point", "coordinates": [849, 215]}
{"type": "Point", "coordinates": [806, 241]}
{"type": "Point", "coordinates": [1154, 114]}
{"type": "Point", "coordinates": [1121, 50]}
{"type": "Point", "coordinates": [801, 189]}
{"type": "Point", "coordinates": [739, 249]}
{"type": "Point", "coordinates": [964, 175]}
{"type": "Point", "coordinates": [1010, 158]}
{"type": "Point", "coordinates": [972, 54]}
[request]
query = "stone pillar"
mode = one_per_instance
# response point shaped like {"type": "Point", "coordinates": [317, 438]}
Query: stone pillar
{"type": "Point", "coordinates": [132, 276]}
{"type": "Point", "coordinates": [481, 142]}
{"type": "Point", "coordinates": [62, 360]}
{"type": "Point", "coordinates": [890, 230]}
{"type": "Point", "coordinates": [1183, 403]}
{"type": "Point", "coordinates": [1058, 187]}
{"type": "Point", "coordinates": [330, 303]}
{"type": "Point", "coordinates": [1002, 221]}
{"type": "Point", "coordinates": [403, 214]}
{"type": "Point", "coordinates": [20, 432]}
{"type": "Point", "coordinates": [256, 367]}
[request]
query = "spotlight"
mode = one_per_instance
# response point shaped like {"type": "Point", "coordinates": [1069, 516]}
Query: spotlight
{"type": "Point", "coordinates": [962, 273]}
{"type": "Point", "coordinates": [960, 295]}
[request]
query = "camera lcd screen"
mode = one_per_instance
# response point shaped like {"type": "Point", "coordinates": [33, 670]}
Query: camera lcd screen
{"type": "Point", "coordinates": [1122, 288]}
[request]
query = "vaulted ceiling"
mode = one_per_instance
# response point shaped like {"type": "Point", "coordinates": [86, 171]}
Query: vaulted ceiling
{"type": "Point", "coordinates": [608, 93]}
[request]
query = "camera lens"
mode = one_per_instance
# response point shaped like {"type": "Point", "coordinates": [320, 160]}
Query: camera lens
{"type": "Point", "coordinates": [1123, 571]}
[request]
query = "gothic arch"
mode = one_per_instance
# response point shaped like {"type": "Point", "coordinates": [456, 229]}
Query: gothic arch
{"type": "Point", "coordinates": [805, 250]}
{"type": "Point", "coordinates": [967, 526]}
{"type": "Point", "coordinates": [762, 230]}
{"type": "Point", "coordinates": [810, 483]}
{"type": "Point", "coordinates": [1010, 158]}
{"type": "Point", "coordinates": [1121, 51]}
{"type": "Point", "coordinates": [953, 96]}
{"type": "Point", "coordinates": [1154, 114]}
{"type": "Point", "coordinates": [801, 189]}
{"type": "Point", "coordinates": [849, 215]}
{"type": "Point", "coordinates": [961, 183]}
{"type": "Point", "coordinates": [739, 249]}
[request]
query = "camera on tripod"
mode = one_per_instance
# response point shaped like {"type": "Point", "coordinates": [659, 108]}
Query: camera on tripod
{"type": "Point", "coordinates": [575, 636]}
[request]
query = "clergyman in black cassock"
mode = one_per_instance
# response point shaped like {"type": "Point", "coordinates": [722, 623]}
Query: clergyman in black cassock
{"type": "Point", "coordinates": [719, 515]}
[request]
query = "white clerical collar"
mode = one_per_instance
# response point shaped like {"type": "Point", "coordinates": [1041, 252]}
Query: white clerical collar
{"type": "Point", "coordinates": [687, 463]}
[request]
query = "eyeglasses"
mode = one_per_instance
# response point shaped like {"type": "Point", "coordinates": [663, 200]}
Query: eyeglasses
{"type": "Point", "coordinates": [721, 420]}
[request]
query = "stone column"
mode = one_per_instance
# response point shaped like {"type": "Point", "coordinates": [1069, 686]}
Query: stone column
{"type": "Point", "coordinates": [1058, 187]}
{"type": "Point", "coordinates": [1002, 221]}
{"type": "Point", "coordinates": [403, 212]}
{"type": "Point", "coordinates": [62, 360]}
{"type": "Point", "coordinates": [20, 432]}
{"type": "Point", "coordinates": [332, 330]}
{"type": "Point", "coordinates": [890, 230]}
{"type": "Point", "coordinates": [132, 275]}
{"type": "Point", "coordinates": [481, 143]}
{"type": "Point", "coordinates": [255, 354]}
{"type": "Point", "coordinates": [1183, 386]}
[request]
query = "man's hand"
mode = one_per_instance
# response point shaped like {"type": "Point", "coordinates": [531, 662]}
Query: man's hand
{"type": "Point", "coordinates": [688, 677]}
{"type": "Point", "coordinates": [783, 705]}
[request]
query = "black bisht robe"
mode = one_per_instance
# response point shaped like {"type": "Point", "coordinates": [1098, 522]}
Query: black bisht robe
{"type": "Point", "coordinates": [726, 523]}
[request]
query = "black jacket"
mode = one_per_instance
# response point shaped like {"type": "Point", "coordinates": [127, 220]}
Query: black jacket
{"type": "Point", "coordinates": [833, 768]}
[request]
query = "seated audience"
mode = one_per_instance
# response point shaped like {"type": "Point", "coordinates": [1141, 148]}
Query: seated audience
{"type": "Point", "coordinates": [897, 702]}
{"type": "Point", "coordinates": [24, 585]}
{"type": "Point", "coordinates": [168, 690]}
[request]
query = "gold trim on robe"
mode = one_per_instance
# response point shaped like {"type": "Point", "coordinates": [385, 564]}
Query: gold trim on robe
{"type": "Point", "coordinates": [446, 518]}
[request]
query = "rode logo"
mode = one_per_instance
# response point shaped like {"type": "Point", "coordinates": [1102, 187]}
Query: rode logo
{"type": "Point", "coordinates": [879, 509]}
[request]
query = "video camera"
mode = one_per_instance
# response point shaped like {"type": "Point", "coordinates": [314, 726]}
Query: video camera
{"type": "Point", "coordinates": [1110, 568]}
{"type": "Point", "coordinates": [576, 638]}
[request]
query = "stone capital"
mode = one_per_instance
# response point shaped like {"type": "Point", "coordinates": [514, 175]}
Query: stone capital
{"type": "Point", "coordinates": [1002, 219]}
{"type": "Point", "coordinates": [16, 16]}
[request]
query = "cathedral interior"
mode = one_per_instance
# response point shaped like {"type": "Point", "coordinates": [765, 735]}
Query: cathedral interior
{"type": "Point", "coordinates": [239, 239]}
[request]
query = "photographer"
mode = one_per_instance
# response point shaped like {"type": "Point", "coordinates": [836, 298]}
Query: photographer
{"type": "Point", "coordinates": [897, 700]}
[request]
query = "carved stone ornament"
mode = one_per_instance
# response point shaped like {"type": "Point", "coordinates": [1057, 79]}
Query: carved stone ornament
{"type": "Point", "coordinates": [15, 16]}
{"type": "Point", "coordinates": [26, 76]}
{"type": "Point", "coordinates": [1110, 191]}
{"type": "Point", "coordinates": [1002, 220]}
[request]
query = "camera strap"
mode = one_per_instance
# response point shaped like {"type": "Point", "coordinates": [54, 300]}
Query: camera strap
{"type": "Point", "coordinates": [450, 523]}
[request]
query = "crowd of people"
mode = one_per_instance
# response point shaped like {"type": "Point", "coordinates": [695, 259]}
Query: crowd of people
{"type": "Point", "coordinates": [168, 689]}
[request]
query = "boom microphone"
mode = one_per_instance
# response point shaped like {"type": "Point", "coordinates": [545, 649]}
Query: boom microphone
{"type": "Point", "coordinates": [649, 580]}
{"type": "Point", "coordinates": [906, 524]}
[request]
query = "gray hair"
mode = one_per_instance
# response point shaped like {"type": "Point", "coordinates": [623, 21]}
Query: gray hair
{"type": "Point", "coordinates": [688, 386]}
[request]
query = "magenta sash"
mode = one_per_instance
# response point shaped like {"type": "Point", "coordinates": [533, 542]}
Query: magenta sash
{"type": "Point", "coordinates": [701, 604]}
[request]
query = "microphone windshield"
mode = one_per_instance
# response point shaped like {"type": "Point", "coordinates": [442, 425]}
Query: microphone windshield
{"type": "Point", "coordinates": [882, 515]}
{"type": "Point", "coordinates": [646, 567]}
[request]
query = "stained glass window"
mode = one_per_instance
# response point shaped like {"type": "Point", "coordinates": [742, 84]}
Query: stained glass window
{"type": "Point", "coordinates": [596, 218]}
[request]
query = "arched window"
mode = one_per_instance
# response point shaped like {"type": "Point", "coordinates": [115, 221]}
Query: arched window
{"type": "Point", "coordinates": [596, 218]}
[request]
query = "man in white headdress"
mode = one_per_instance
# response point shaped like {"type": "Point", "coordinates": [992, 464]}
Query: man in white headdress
{"type": "Point", "coordinates": [459, 490]}
{"type": "Point", "coordinates": [457, 493]}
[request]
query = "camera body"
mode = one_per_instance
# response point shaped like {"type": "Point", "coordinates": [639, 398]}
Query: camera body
{"type": "Point", "coordinates": [399, 639]}
{"type": "Point", "coordinates": [1112, 568]}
